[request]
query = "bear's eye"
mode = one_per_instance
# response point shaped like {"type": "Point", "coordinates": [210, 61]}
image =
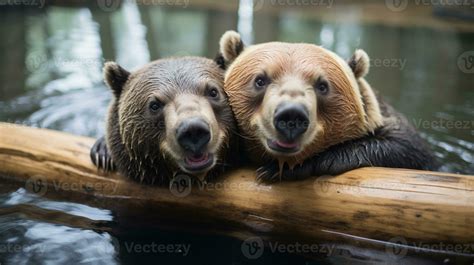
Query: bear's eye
{"type": "Point", "coordinates": [261, 81]}
{"type": "Point", "coordinates": [155, 106]}
{"type": "Point", "coordinates": [212, 92]}
{"type": "Point", "coordinates": [322, 87]}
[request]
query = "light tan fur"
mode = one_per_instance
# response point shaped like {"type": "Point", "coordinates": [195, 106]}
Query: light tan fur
{"type": "Point", "coordinates": [360, 63]}
{"type": "Point", "coordinates": [230, 45]}
{"type": "Point", "coordinates": [293, 69]}
{"type": "Point", "coordinates": [371, 105]}
{"type": "Point", "coordinates": [186, 106]}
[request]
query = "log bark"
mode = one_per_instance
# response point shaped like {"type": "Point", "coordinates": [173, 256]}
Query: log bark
{"type": "Point", "coordinates": [367, 206]}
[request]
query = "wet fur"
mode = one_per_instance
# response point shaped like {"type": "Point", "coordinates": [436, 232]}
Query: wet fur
{"type": "Point", "coordinates": [347, 119]}
{"type": "Point", "coordinates": [134, 140]}
{"type": "Point", "coordinates": [396, 144]}
{"type": "Point", "coordinates": [358, 129]}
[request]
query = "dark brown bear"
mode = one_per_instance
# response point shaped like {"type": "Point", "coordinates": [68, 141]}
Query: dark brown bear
{"type": "Point", "coordinates": [170, 116]}
{"type": "Point", "coordinates": [304, 111]}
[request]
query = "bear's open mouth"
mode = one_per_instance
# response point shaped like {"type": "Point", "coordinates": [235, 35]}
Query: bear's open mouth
{"type": "Point", "coordinates": [198, 162]}
{"type": "Point", "coordinates": [283, 147]}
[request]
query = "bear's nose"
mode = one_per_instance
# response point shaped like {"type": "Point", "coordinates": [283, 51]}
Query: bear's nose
{"type": "Point", "coordinates": [193, 135]}
{"type": "Point", "coordinates": [291, 120]}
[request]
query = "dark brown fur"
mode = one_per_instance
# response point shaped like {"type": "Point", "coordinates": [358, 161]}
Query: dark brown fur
{"type": "Point", "coordinates": [134, 137]}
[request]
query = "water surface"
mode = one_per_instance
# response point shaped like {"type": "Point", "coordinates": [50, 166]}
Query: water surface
{"type": "Point", "coordinates": [50, 76]}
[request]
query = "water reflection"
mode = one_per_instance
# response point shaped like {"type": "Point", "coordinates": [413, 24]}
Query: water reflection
{"type": "Point", "coordinates": [51, 67]}
{"type": "Point", "coordinates": [27, 236]}
{"type": "Point", "coordinates": [52, 59]}
{"type": "Point", "coordinates": [50, 76]}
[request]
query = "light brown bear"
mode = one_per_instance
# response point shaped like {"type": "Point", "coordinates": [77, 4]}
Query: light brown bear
{"type": "Point", "coordinates": [170, 116]}
{"type": "Point", "coordinates": [305, 111]}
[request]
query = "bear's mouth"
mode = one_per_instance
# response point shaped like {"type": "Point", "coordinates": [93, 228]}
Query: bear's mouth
{"type": "Point", "coordinates": [283, 146]}
{"type": "Point", "coordinates": [198, 162]}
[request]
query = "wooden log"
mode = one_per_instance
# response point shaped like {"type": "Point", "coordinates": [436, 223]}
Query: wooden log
{"type": "Point", "coordinates": [377, 207]}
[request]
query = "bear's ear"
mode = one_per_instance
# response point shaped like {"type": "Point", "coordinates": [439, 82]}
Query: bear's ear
{"type": "Point", "coordinates": [230, 46]}
{"type": "Point", "coordinates": [115, 77]}
{"type": "Point", "coordinates": [359, 63]}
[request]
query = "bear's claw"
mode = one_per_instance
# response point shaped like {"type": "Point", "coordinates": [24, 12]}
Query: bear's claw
{"type": "Point", "coordinates": [268, 173]}
{"type": "Point", "coordinates": [100, 156]}
{"type": "Point", "coordinates": [271, 172]}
